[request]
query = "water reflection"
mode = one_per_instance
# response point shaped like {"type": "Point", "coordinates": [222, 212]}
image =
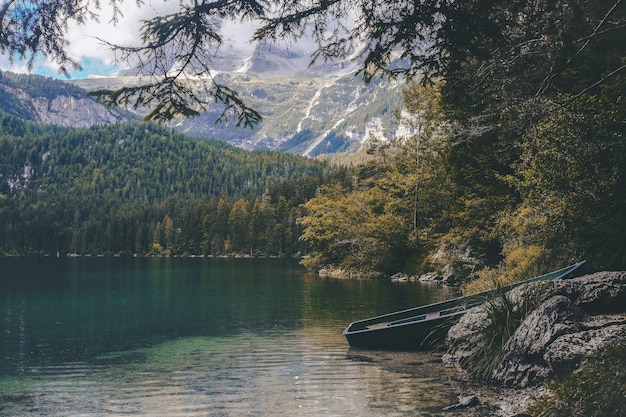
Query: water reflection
{"type": "Point", "coordinates": [283, 374]}
{"type": "Point", "coordinates": [200, 337]}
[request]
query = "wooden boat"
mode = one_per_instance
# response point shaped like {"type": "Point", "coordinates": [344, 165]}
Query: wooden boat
{"type": "Point", "coordinates": [425, 327]}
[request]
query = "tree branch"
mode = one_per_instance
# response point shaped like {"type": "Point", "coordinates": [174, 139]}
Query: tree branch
{"type": "Point", "coordinates": [584, 91]}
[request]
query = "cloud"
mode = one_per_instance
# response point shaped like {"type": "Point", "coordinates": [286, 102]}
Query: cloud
{"type": "Point", "coordinates": [84, 40]}
{"type": "Point", "coordinates": [237, 35]}
{"type": "Point", "coordinates": [84, 45]}
{"type": "Point", "coordinates": [96, 58]}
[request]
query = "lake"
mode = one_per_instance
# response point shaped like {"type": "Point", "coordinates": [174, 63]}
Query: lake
{"type": "Point", "coordinates": [203, 337]}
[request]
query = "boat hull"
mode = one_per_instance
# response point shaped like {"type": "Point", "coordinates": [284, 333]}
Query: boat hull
{"type": "Point", "coordinates": [424, 335]}
{"type": "Point", "coordinates": [425, 327]}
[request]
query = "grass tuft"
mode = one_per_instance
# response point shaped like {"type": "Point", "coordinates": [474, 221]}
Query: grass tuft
{"type": "Point", "coordinates": [505, 313]}
{"type": "Point", "coordinates": [519, 264]}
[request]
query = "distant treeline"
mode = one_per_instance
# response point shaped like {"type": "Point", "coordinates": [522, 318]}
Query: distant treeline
{"type": "Point", "coordinates": [136, 188]}
{"type": "Point", "coordinates": [40, 86]}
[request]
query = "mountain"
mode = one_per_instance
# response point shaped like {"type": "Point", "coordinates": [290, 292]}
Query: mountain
{"type": "Point", "coordinates": [54, 102]}
{"type": "Point", "coordinates": [308, 110]}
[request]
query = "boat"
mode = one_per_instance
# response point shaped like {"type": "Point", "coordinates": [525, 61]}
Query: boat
{"type": "Point", "coordinates": [425, 327]}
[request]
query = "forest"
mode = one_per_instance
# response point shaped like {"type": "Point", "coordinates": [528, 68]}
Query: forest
{"type": "Point", "coordinates": [516, 163]}
{"type": "Point", "coordinates": [481, 206]}
{"type": "Point", "coordinates": [140, 189]}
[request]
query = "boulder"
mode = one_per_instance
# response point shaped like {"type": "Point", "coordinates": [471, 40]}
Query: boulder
{"type": "Point", "coordinates": [574, 319]}
{"type": "Point", "coordinates": [599, 293]}
{"type": "Point", "coordinates": [431, 277]}
{"type": "Point", "coordinates": [464, 337]}
{"type": "Point", "coordinates": [567, 351]}
{"type": "Point", "coordinates": [399, 277]}
{"type": "Point", "coordinates": [448, 279]}
{"type": "Point", "coordinates": [522, 361]}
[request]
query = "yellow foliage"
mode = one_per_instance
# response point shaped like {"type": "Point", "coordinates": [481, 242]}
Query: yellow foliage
{"type": "Point", "coordinates": [520, 263]}
{"type": "Point", "coordinates": [159, 250]}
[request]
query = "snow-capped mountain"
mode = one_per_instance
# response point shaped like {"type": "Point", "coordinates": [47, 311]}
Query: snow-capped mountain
{"type": "Point", "coordinates": [306, 109]}
{"type": "Point", "coordinates": [310, 110]}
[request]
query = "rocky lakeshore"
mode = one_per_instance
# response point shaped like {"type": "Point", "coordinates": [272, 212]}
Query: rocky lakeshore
{"type": "Point", "coordinates": [559, 326]}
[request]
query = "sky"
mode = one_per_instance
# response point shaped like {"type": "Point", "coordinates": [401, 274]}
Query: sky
{"type": "Point", "coordinates": [97, 59]}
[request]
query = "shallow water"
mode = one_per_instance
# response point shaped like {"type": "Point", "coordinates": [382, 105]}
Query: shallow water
{"type": "Point", "coordinates": [201, 337]}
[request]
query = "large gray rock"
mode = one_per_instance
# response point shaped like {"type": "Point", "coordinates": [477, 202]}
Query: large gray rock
{"type": "Point", "coordinates": [567, 351]}
{"type": "Point", "coordinates": [522, 362]}
{"type": "Point", "coordinates": [602, 292]}
{"type": "Point", "coordinates": [465, 337]}
{"type": "Point", "coordinates": [569, 325]}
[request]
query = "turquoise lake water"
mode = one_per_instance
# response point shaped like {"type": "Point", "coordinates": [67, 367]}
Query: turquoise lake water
{"type": "Point", "coordinates": [200, 337]}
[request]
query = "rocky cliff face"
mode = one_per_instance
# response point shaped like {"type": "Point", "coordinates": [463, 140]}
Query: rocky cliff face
{"type": "Point", "coordinates": [74, 112]}
{"type": "Point", "coordinates": [48, 101]}
{"type": "Point", "coordinates": [308, 116]}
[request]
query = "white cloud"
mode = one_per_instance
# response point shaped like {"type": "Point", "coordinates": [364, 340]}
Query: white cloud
{"type": "Point", "coordinates": [84, 43]}
{"type": "Point", "coordinates": [85, 47]}
{"type": "Point", "coordinates": [237, 35]}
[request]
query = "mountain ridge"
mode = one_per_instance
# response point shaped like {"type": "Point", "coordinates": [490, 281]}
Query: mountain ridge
{"type": "Point", "coordinates": [53, 102]}
{"type": "Point", "coordinates": [308, 109]}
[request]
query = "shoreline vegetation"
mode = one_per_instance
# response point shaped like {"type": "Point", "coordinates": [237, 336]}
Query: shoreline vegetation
{"type": "Point", "coordinates": [513, 163]}
{"type": "Point", "coordinates": [558, 345]}
{"type": "Point", "coordinates": [135, 255]}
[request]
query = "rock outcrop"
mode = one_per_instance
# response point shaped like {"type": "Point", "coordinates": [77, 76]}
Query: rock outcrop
{"type": "Point", "coordinates": [66, 110]}
{"type": "Point", "coordinates": [599, 293]}
{"type": "Point", "coordinates": [574, 319]}
{"type": "Point", "coordinates": [522, 361]}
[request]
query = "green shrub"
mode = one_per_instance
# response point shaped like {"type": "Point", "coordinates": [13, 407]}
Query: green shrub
{"type": "Point", "coordinates": [521, 262]}
{"type": "Point", "coordinates": [596, 389]}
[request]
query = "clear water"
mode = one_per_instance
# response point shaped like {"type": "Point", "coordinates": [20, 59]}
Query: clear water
{"type": "Point", "coordinates": [201, 337]}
